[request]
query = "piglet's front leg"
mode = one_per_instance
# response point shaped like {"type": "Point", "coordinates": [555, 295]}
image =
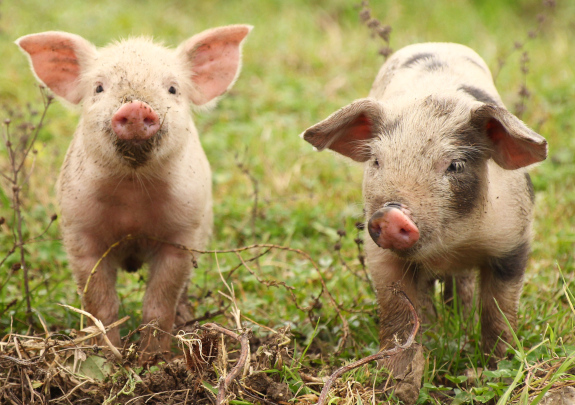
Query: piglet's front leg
{"type": "Point", "coordinates": [97, 286]}
{"type": "Point", "coordinates": [169, 274]}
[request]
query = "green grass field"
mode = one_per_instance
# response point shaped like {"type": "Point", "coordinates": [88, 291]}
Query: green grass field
{"type": "Point", "coordinates": [304, 60]}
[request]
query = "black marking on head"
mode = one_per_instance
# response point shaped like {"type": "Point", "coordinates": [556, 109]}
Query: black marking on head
{"type": "Point", "coordinates": [467, 58]}
{"type": "Point", "coordinates": [465, 188]}
{"type": "Point", "coordinates": [416, 58]}
{"type": "Point", "coordinates": [132, 264]}
{"type": "Point", "coordinates": [512, 265]}
{"type": "Point", "coordinates": [478, 94]}
{"type": "Point", "coordinates": [530, 188]}
{"type": "Point", "coordinates": [432, 62]}
{"type": "Point", "coordinates": [472, 138]}
{"type": "Point", "coordinates": [435, 64]}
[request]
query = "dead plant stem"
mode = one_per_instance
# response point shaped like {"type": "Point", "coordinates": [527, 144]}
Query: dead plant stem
{"type": "Point", "coordinates": [16, 166]}
{"type": "Point", "coordinates": [240, 364]}
{"type": "Point", "coordinates": [377, 356]}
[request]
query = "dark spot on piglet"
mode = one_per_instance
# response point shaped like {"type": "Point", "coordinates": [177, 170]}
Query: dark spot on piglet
{"type": "Point", "coordinates": [416, 58]}
{"type": "Point", "coordinates": [471, 60]}
{"type": "Point", "coordinates": [478, 94]}
{"type": "Point", "coordinates": [512, 265]}
{"type": "Point", "coordinates": [435, 64]}
{"type": "Point", "coordinates": [465, 190]}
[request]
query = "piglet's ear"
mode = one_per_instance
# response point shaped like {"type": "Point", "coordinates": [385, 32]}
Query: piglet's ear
{"type": "Point", "coordinates": [514, 145]}
{"type": "Point", "coordinates": [57, 59]}
{"type": "Point", "coordinates": [347, 130]}
{"type": "Point", "coordinates": [214, 57]}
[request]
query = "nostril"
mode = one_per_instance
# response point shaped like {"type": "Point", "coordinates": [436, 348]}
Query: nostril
{"type": "Point", "coordinates": [123, 121]}
{"type": "Point", "coordinates": [374, 230]}
{"type": "Point", "coordinates": [149, 121]}
{"type": "Point", "coordinates": [393, 205]}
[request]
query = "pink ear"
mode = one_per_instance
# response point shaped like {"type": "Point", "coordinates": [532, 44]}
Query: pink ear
{"type": "Point", "coordinates": [215, 59]}
{"type": "Point", "coordinates": [359, 130]}
{"type": "Point", "coordinates": [347, 130]}
{"type": "Point", "coordinates": [514, 145]}
{"type": "Point", "coordinates": [56, 58]}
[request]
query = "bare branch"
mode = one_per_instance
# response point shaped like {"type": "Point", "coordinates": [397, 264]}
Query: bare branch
{"type": "Point", "coordinates": [377, 356]}
{"type": "Point", "coordinates": [240, 364]}
{"type": "Point", "coordinates": [377, 28]}
{"type": "Point", "coordinates": [18, 151]}
{"type": "Point", "coordinates": [245, 170]}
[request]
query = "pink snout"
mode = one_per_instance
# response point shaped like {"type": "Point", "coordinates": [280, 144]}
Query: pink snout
{"type": "Point", "coordinates": [135, 121]}
{"type": "Point", "coordinates": [391, 228]}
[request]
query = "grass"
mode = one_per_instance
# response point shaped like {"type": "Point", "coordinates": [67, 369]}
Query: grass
{"type": "Point", "coordinates": [303, 61]}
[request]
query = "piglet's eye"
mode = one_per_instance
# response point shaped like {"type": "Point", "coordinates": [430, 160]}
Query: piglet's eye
{"type": "Point", "coordinates": [172, 90]}
{"type": "Point", "coordinates": [375, 162]}
{"type": "Point", "coordinates": [456, 166]}
{"type": "Point", "coordinates": [99, 88]}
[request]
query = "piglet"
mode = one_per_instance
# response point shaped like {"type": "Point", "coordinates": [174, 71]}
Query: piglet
{"type": "Point", "coordinates": [135, 165]}
{"type": "Point", "coordinates": [445, 190]}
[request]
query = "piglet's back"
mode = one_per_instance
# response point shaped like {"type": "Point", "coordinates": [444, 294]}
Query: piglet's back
{"type": "Point", "coordinates": [435, 68]}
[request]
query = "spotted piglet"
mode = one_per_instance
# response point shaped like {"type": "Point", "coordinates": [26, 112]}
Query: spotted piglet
{"type": "Point", "coordinates": [445, 190]}
{"type": "Point", "coordinates": [135, 165]}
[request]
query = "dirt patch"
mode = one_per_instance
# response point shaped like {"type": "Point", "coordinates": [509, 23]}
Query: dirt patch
{"type": "Point", "coordinates": [63, 370]}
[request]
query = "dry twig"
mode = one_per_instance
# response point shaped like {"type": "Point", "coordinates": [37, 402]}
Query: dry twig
{"type": "Point", "coordinates": [245, 170]}
{"type": "Point", "coordinates": [104, 335]}
{"type": "Point", "coordinates": [542, 20]}
{"type": "Point", "coordinates": [377, 356]}
{"type": "Point", "coordinates": [377, 28]}
{"type": "Point", "coordinates": [224, 383]}
{"type": "Point", "coordinates": [269, 246]}
{"type": "Point", "coordinates": [19, 148]}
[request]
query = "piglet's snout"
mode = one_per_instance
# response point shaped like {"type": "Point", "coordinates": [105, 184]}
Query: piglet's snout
{"type": "Point", "coordinates": [135, 121]}
{"type": "Point", "coordinates": [391, 228]}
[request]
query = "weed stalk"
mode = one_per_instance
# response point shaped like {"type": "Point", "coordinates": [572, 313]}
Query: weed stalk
{"type": "Point", "coordinates": [19, 145]}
